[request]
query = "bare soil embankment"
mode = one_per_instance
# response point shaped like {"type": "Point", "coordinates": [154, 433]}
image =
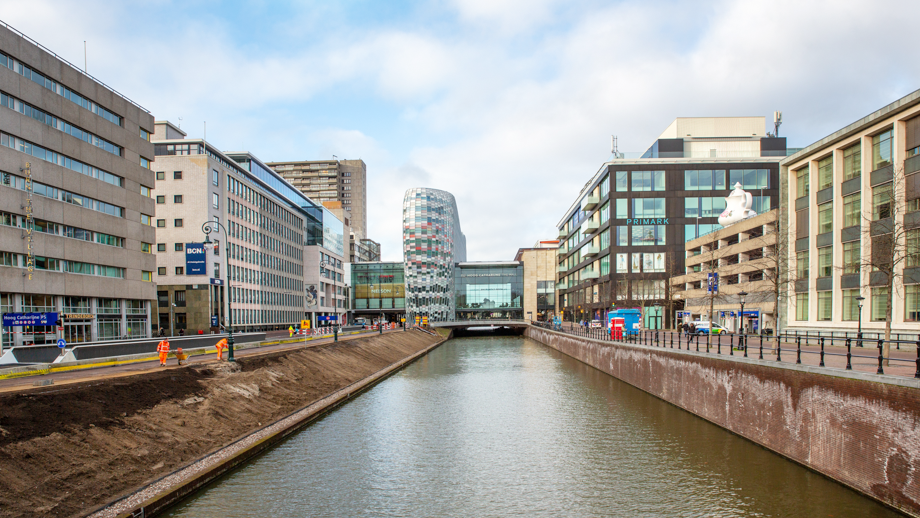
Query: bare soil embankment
{"type": "Point", "coordinates": [66, 450]}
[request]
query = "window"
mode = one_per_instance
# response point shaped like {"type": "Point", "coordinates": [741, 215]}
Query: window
{"type": "Point", "coordinates": [825, 175]}
{"type": "Point", "coordinates": [178, 247]}
{"type": "Point", "coordinates": [145, 191]}
{"type": "Point", "coordinates": [622, 208]}
{"type": "Point", "coordinates": [604, 213]}
{"type": "Point", "coordinates": [852, 162]}
{"type": "Point", "coordinates": [177, 175]}
{"type": "Point", "coordinates": [161, 175]}
{"type": "Point", "coordinates": [215, 177]}
{"type": "Point", "coordinates": [851, 257]}
{"type": "Point", "coordinates": [826, 261]}
{"type": "Point", "coordinates": [161, 270]}
{"type": "Point", "coordinates": [852, 210]}
{"type": "Point", "coordinates": [177, 198]}
{"type": "Point", "coordinates": [180, 270]}
{"type": "Point", "coordinates": [177, 222]}
{"type": "Point", "coordinates": [605, 186]}
{"type": "Point", "coordinates": [825, 218]}
{"type": "Point", "coordinates": [622, 183]}
{"type": "Point", "coordinates": [161, 247]}
{"type": "Point", "coordinates": [605, 240]}
{"type": "Point", "coordinates": [145, 219]}
{"type": "Point", "coordinates": [912, 303]}
{"type": "Point", "coordinates": [146, 276]}
{"type": "Point", "coordinates": [881, 202]}
{"type": "Point", "coordinates": [622, 237]}
{"type": "Point", "coordinates": [913, 205]}
{"type": "Point", "coordinates": [215, 200]}
{"type": "Point", "coordinates": [704, 180]}
{"type": "Point", "coordinates": [647, 181]}
{"type": "Point", "coordinates": [912, 248]}
{"type": "Point", "coordinates": [146, 248]}
{"type": "Point", "coordinates": [145, 134]}
{"type": "Point", "coordinates": [825, 305]}
{"type": "Point", "coordinates": [648, 208]}
{"type": "Point", "coordinates": [850, 305]}
{"type": "Point", "coordinates": [179, 298]}
{"type": "Point", "coordinates": [648, 235]}
{"type": "Point", "coordinates": [145, 163]}
{"type": "Point", "coordinates": [801, 182]}
{"type": "Point", "coordinates": [879, 304]}
{"type": "Point", "coordinates": [161, 199]}
{"type": "Point", "coordinates": [801, 306]}
{"type": "Point", "coordinates": [161, 223]}
{"type": "Point", "coordinates": [881, 150]}
{"type": "Point", "coordinates": [749, 178]}
{"type": "Point", "coordinates": [801, 265]}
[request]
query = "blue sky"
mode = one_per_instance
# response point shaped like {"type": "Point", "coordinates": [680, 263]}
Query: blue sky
{"type": "Point", "coordinates": [508, 104]}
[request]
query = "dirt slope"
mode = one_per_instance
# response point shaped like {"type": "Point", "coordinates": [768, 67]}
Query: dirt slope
{"type": "Point", "coordinates": [66, 450]}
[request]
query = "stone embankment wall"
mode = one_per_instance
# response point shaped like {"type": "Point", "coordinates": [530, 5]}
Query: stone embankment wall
{"type": "Point", "coordinates": [66, 450]}
{"type": "Point", "coordinates": [860, 430]}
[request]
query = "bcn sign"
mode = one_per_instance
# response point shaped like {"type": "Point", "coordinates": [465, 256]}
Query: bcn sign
{"type": "Point", "coordinates": [196, 259]}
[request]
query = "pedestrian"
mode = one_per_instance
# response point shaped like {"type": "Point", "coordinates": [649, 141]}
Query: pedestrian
{"type": "Point", "coordinates": [182, 332]}
{"type": "Point", "coordinates": [221, 344]}
{"type": "Point", "coordinates": [162, 332]}
{"type": "Point", "coordinates": [692, 329]}
{"type": "Point", "coordinates": [163, 350]}
{"type": "Point", "coordinates": [686, 329]}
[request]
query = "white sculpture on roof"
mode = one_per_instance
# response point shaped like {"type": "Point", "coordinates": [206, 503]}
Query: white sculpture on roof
{"type": "Point", "coordinates": [737, 207]}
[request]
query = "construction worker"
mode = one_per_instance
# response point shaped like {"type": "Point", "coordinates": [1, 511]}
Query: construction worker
{"type": "Point", "coordinates": [290, 331]}
{"type": "Point", "coordinates": [221, 345]}
{"type": "Point", "coordinates": [163, 350]}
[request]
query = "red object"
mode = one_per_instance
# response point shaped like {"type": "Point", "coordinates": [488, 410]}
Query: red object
{"type": "Point", "coordinates": [200, 332]}
{"type": "Point", "coordinates": [617, 324]}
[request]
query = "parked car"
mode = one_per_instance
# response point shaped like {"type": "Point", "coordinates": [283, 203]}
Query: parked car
{"type": "Point", "coordinates": [702, 328]}
{"type": "Point", "coordinates": [596, 323]}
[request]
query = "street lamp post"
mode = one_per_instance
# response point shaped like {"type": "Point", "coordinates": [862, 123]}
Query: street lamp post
{"type": "Point", "coordinates": [741, 323]}
{"type": "Point", "coordinates": [212, 226]}
{"type": "Point", "coordinates": [859, 302]}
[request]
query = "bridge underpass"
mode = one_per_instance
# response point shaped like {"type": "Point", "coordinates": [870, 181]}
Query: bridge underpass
{"type": "Point", "coordinates": [480, 327]}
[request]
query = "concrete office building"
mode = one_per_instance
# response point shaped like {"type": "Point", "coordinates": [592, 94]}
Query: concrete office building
{"type": "Point", "coordinates": [344, 181]}
{"type": "Point", "coordinates": [539, 279]}
{"type": "Point", "coordinates": [624, 235]}
{"type": "Point", "coordinates": [432, 244]}
{"type": "Point", "coordinates": [851, 215]}
{"type": "Point", "coordinates": [75, 201]}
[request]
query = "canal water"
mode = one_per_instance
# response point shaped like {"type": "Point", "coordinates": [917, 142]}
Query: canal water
{"type": "Point", "coordinates": [504, 426]}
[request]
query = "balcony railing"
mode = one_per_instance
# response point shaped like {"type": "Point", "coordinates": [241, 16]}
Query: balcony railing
{"type": "Point", "coordinates": [589, 250]}
{"type": "Point", "coordinates": [589, 274]}
{"type": "Point", "coordinates": [589, 202]}
{"type": "Point", "coordinates": [590, 227]}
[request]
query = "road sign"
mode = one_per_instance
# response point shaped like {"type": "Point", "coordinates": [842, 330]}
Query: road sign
{"type": "Point", "coordinates": [29, 319]}
{"type": "Point", "coordinates": [417, 319]}
{"type": "Point", "coordinates": [62, 343]}
{"type": "Point", "coordinates": [305, 324]}
{"type": "Point", "coordinates": [424, 321]}
{"type": "Point", "coordinates": [403, 320]}
{"type": "Point", "coordinates": [713, 286]}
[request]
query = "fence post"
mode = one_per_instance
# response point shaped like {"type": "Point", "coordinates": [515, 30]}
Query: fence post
{"type": "Point", "coordinates": [917, 374]}
{"type": "Point", "coordinates": [821, 363]}
{"type": "Point", "coordinates": [798, 348]}
{"type": "Point", "coordinates": [779, 347]}
{"type": "Point", "coordinates": [761, 347]}
{"type": "Point", "coordinates": [880, 358]}
{"type": "Point", "coordinates": [671, 334]}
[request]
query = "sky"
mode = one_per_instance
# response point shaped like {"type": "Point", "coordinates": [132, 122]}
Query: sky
{"type": "Point", "coordinates": [507, 104]}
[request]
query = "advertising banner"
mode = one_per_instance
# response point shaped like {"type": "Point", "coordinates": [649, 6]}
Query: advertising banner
{"type": "Point", "coordinates": [380, 291]}
{"type": "Point", "coordinates": [196, 259]}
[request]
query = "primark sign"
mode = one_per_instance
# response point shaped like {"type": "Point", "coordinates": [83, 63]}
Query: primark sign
{"type": "Point", "coordinates": [649, 221]}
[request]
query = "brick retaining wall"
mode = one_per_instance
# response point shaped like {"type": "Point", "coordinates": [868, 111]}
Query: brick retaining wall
{"type": "Point", "coordinates": [861, 430]}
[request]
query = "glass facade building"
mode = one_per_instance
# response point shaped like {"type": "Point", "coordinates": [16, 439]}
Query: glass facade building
{"type": "Point", "coordinates": [489, 291]}
{"type": "Point", "coordinates": [379, 290]}
{"type": "Point", "coordinates": [432, 243]}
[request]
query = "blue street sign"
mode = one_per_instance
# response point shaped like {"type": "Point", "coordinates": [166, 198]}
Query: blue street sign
{"type": "Point", "coordinates": [713, 286]}
{"type": "Point", "coordinates": [331, 318]}
{"type": "Point", "coordinates": [29, 319]}
{"type": "Point", "coordinates": [62, 343]}
{"type": "Point", "coordinates": [214, 322]}
{"type": "Point", "coordinates": [196, 259]}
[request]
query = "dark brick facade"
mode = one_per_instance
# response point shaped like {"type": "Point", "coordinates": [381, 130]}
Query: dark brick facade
{"type": "Point", "coordinates": [864, 434]}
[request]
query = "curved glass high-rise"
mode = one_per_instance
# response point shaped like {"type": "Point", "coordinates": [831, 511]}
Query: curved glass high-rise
{"type": "Point", "coordinates": [432, 245]}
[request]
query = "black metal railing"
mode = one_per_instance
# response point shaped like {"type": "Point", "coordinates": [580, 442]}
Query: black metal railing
{"type": "Point", "coordinates": [758, 345]}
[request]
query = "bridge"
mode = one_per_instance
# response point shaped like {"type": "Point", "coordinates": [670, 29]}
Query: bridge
{"type": "Point", "coordinates": [517, 326]}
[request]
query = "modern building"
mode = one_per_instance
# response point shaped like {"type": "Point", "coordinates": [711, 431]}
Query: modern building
{"type": "Point", "coordinates": [75, 201]}
{"type": "Point", "coordinates": [850, 214]}
{"type": "Point", "coordinates": [344, 181]}
{"type": "Point", "coordinates": [540, 269]}
{"type": "Point", "coordinates": [378, 291]}
{"type": "Point", "coordinates": [489, 290]}
{"type": "Point", "coordinates": [432, 244]}
{"type": "Point", "coordinates": [624, 235]}
{"type": "Point", "coordinates": [364, 250]}
{"type": "Point", "coordinates": [745, 259]}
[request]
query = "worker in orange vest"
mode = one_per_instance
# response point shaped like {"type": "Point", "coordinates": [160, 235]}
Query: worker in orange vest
{"type": "Point", "coordinates": [163, 350]}
{"type": "Point", "coordinates": [221, 345]}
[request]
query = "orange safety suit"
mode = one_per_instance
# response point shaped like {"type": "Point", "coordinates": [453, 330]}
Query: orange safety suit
{"type": "Point", "coordinates": [163, 350]}
{"type": "Point", "coordinates": [221, 345]}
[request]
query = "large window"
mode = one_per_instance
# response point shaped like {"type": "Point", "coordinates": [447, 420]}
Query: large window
{"type": "Point", "coordinates": [852, 162]}
{"type": "Point", "coordinates": [912, 303]}
{"type": "Point", "coordinates": [622, 264]}
{"type": "Point", "coordinates": [605, 239]}
{"type": "Point", "coordinates": [851, 257]}
{"type": "Point", "coordinates": [852, 207]}
{"type": "Point", "coordinates": [648, 208]}
{"type": "Point", "coordinates": [605, 186]}
{"type": "Point", "coordinates": [801, 306]}
{"type": "Point", "coordinates": [605, 265]}
{"type": "Point", "coordinates": [703, 207]}
{"type": "Point", "coordinates": [801, 182]}
{"type": "Point", "coordinates": [605, 213]}
{"type": "Point", "coordinates": [881, 150]}
{"type": "Point", "coordinates": [622, 181]}
{"type": "Point", "coordinates": [704, 180]}
{"type": "Point", "coordinates": [879, 304]}
{"type": "Point", "coordinates": [643, 181]}
{"type": "Point", "coordinates": [850, 305]}
{"type": "Point", "coordinates": [622, 208]}
{"type": "Point", "coordinates": [881, 202]}
{"type": "Point", "coordinates": [749, 178]}
{"type": "Point", "coordinates": [825, 172]}
{"type": "Point", "coordinates": [825, 218]}
{"type": "Point", "coordinates": [801, 265]}
{"type": "Point", "coordinates": [826, 261]}
{"type": "Point", "coordinates": [825, 305]}
{"type": "Point", "coordinates": [648, 235]}
{"type": "Point", "coordinates": [912, 248]}
{"type": "Point", "coordinates": [622, 237]}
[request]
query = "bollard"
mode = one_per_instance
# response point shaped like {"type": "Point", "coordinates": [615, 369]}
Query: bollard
{"type": "Point", "coordinates": [821, 363]}
{"type": "Point", "coordinates": [779, 347]}
{"type": "Point", "coordinates": [672, 339]}
{"type": "Point", "coordinates": [719, 342]}
{"type": "Point", "coordinates": [880, 358]}
{"type": "Point", "coordinates": [335, 334]}
{"type": "Point", "coordinates": [850, 355]}
{"type": "Point", "coordinates": [798, 348]}
{"type": "Point", "coordinates": [697, 343]}
{"type": "Point", "coordinates": [761, 347]}
{"type": "Point", "coordinates": [917, 374]}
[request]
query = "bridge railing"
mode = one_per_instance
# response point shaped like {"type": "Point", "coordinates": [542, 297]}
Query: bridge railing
{"type": "Point", "coordinates": [901, 360]}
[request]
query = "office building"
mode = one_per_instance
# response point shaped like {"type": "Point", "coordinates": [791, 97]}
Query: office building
{"type": "Point", "coordinates": [489, 290]}
{"type": "Point", "coordinates": [323, 181]}
{"type": "Point", "coordinates": [432, 244]}
{"type": "Point", "coordinates": [540, 266]}
{"type": "Point", "coordinates": [378, 291]}
{"type": "Point", "coordinates": [75, 201]}
{"type": "Point", "coordinates": [850, 215]}
{"type": "Point", "coordinates": [624, 235]}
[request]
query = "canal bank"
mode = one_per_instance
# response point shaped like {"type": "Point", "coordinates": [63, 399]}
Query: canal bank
{"type": "Point", "coordinates": [860, 430]}
{"type": "Point", "coordinates": [66, 450]}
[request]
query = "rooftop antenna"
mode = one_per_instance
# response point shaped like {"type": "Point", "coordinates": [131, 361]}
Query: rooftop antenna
{"type": "Point", "coordinates": [84, 56]}
{"type": "Point", "coordinates": [777, 122]}
{"type": "Point", "coordinates": [613, 145]}
{"type": "Point", "coordinates": [180, 122]}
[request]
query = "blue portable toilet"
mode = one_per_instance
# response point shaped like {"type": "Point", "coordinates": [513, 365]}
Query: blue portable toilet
{"type": "Point", "coordinates": [632, 319]}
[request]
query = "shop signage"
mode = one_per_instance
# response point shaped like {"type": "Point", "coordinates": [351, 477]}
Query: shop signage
{"type": "Point", "coordinates": [713, 283]}
{"type": "Point", "coordinates": [394, 290]}
{"type": "Point", "coordinates": [650, 221]}
{"type": "Point", "coordinates": [78, 316]}
{"type": "Point", "coordinates": [217, 282]}
{"type": "Point", "coordinates": [196, 259]}
{"type": "Point", "coordinates": [29, 319]}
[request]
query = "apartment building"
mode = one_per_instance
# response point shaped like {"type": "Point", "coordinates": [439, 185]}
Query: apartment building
{"type": "Point", "coordinates": [851, 217]}
{"type": "Point", "coordinates": [539, 279]}
{"type": "Point", "coordinates": [76, 203]}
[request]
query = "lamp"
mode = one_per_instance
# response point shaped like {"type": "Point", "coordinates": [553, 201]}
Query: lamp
{"type": "Point", "coordinates": [742, 294]}
{"type": "Point", "coordinates": [859, 302]}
